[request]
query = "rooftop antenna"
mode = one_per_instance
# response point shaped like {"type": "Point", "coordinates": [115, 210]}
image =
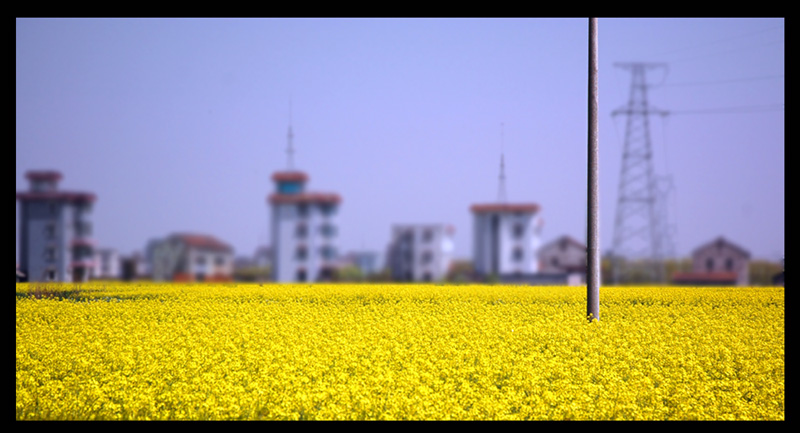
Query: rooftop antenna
{"type": "Point", "coordinates": [290, 139]}
{"type": "Point", "coordinates": [501, 192]}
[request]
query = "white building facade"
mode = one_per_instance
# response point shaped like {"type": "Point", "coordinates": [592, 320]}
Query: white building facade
{"type": "Point", "coordinates": [55, 230]}
{"type": "Point", "coordinates": [107, 264]}
{"type": "Point", "coordinates": [304, 230]}
{"type": "Point", "coordinates": [420, 252]}
{"type": "Point", "coordinates": [192, 257]}
{"type": "Point", "coordinates": [507, 238]}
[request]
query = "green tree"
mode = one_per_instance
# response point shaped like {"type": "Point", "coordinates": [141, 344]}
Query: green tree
{"type": "Point", "coordinates": [763, 271]}
{"type": "Point", "coordinates": [349, 273]}
{"type": "Point", "coordinates": [252, 274]}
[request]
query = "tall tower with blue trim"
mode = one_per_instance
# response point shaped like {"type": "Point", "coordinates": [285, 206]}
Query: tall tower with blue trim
{"type": "Point", "coordinates": [304, 227]}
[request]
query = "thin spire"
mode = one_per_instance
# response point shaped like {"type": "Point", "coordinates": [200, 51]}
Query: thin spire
{"type": "Point", "coordinates": [501, 193]}
{"type": "Point", "coordinates": [290, 139]}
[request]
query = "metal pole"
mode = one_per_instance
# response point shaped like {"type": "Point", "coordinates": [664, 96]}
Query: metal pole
{"type": "Point", "coordinates": [593, 238]}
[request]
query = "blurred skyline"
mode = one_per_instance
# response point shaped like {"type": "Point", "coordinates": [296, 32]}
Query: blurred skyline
{"type": "Point", "coordinates": [178, 124]}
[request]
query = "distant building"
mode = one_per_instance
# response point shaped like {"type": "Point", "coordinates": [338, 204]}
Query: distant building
{"type": "Point", "coordinates": [368, 262]}
{"type": "Point", "coordinates": [719, 262]}
{"type": "Point", "coordinates": [243, 262]}
{"type": "Point", "coordinates": [304, 230]}
{"type": "Point", "coordinates": [262, 257]}
{"type": "Point", "coordinates": [420, 252]}
{"type": "Point", "coordinates": [107, 264]}
{"type": "Point", "coordinates": [255, 267]}
{"type": "Point", "coordinates": [55, 232]}
{"type": "Point", "coordinates": [144, 267]}
{"type": "Point", "coordinates": [506, 240]}
{"type": "Point", "coordinates": [192, 257]}
{"type": "Point", "coordinates": [566, 256]}
{"type": "Point", "coordinates": [135, 266]}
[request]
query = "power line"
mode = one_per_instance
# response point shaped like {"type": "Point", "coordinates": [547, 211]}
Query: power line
{"type": "Point", "coordinates": [720, 53]}
{"type": "Point", "coordinates": [735, 80]}
{"type": "Point", "coordinates": [743, 109]}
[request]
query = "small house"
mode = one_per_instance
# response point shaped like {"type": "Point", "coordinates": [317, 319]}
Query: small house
{"type": "Point", "coordinates": [719, 262]}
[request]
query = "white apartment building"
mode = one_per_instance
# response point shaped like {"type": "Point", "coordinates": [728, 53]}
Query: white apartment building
{"type": "Point", "coordinates": [55, 230]}
{"type": "Point", "coordinates": [507, 238]}
{"type": "Point", "coordinates": [420, 252]}
{"type": "Point", "coordinates": [304, 230]}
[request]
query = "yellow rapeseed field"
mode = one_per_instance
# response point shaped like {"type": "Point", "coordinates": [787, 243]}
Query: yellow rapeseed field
{"type": "Point", "coordinates": [115, 351]}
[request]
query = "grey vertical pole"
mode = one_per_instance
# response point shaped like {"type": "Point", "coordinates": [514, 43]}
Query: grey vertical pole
{"type": "Point", "coordinates": [593, 247]}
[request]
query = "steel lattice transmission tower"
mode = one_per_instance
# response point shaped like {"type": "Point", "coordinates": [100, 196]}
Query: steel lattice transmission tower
{"type": "Point", "coordinates": [640, 224]}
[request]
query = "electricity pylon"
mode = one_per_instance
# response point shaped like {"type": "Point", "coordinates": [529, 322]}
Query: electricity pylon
{"type": "Point", "coordinates": [640, 231]}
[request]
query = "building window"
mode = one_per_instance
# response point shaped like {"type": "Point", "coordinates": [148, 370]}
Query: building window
{"type": "Point", "coordinates": [554, 262]}
{"type": "Point", "coordinates": [427, 257]}
{"type": "Point", "coordinates": [50, 231]}
{"type": "Point", "coordinates": [517, 254]}
{"type": "Point", "coordinates": [302, 231]}
{"type": "Point", "coordinates": [518, 230]}
{"type": "Point", "coordinates": [53, 207]}
{"type": "Point", "coordinates": [427, 235]}
{"type": "Point", "coordinates": [327, 230]}
{"type": "Point", "coordinates": [301, 275]}
{"type": "Point", "coordinates": [220, 260]}
{"type": "Point", "coordinates": [427, 276]}
{"type": "Point", "coordinates": [709, 264]}
{"type": "Point", "coordinates": [325, 274]}
{"type": "Point", "coordinates": [200, 260]}
{"type": "Point", "coordinates": [302, 210]}
{"type": "Point", "coordinates": [327, 252]}
{"type": "Point", "coordinates": [729, 264]}
{"type": "Point", "coordinates": [50, 254]}
{"type": "Point", "coordinates": [327, 209]}
{"type": "Point", "coordinates": [301, 253]}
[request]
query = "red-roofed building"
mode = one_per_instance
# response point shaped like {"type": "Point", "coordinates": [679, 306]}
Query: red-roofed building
{"type": "Point", "coordinates": [192, 257]}
{"type": "Point", "coordinates": [304, 230]}
{"type": "Point", "coordinates": [55, 230]}
{"type": "Point", "coordinates": [719, 262]}
{"type": "Point", "coordinates": [564, 255]}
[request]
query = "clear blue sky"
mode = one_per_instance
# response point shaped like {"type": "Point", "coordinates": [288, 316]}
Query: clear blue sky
{"type": "Point", "coordinates": [177, 124]}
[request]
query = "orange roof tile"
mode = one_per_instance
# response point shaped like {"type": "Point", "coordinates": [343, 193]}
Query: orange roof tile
{"type": "Point", "coordinates": [43, 175]}
{"type": "Point", "coordinates": [306, 197]}
{"type": "Point", "coordinates": [202, 241]}
{"type": "Point", "coordinates": [289, 176]}
{"type": "Point", "coordinates": [505, 208]}
{"type": "Point", "coordinates": [57, 195]}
